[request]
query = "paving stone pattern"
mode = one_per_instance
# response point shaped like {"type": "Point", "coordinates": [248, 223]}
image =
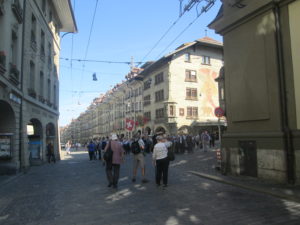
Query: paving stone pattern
{"type": "Point", "coordinates": [74, 192]}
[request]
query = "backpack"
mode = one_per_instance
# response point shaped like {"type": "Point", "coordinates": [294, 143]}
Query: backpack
{"type": "Point", "coordinates": [103, 144]}
{"type": "Point", "coordinates": [135, 147]}
{"type": "Point", "coordinates": [108, 154]}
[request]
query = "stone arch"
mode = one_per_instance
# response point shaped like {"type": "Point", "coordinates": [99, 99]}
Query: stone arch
{"type": "Point", "coordinates": [160, 129]}
{"type": "Point", "coordinates": [7, 134]}
{"type": "Point", "coordinates": [184, 129]}
{"type": "Point", "coordinates": [7, 118]}
{"type": "Point", "coordinates": [35, 143]}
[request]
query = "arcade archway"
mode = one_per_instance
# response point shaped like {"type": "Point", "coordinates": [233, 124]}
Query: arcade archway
{"type": "Point", "coordinates": [160, 130]}
{"type": "Point", "coordinates": [7, 130]}
{"type": "Point", "coordinates": [35, 143]}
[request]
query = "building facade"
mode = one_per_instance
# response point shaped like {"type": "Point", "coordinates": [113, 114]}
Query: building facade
{"type": "Point", "coordinates": [30, 79]}
{"type": "Point", "coordinates": [176, 94]}
{"type": "Point", "coordinates": [180, 93]}
{"type": "Point", "coordinates": [262, 86]}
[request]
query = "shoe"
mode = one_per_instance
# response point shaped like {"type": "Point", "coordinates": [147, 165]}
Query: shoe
{"type": "Point", "coordinates": [145, 181]}
{"type": "Point", "coordinates": [165, 186]}
{"type": "Point", "coordinates": [109, 185]}
{"type": "Point", "coordinates": [133, 180]}
{"type": "Point", "coordinates": [158, 185]}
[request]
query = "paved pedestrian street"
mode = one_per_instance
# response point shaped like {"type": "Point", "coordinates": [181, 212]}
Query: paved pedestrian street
{"type": "Point", "coordinates": [74, 192]}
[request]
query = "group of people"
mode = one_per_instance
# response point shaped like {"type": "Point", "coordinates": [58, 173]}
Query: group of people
{"type": "Point", "coordinates": [138, 146]}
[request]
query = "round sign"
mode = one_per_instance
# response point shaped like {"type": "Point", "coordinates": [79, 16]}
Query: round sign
{"type": "Point", "coordinates": [219, 112]}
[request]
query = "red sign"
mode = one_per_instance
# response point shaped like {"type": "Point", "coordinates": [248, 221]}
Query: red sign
{"type": "Point", "coordinates": [219, 112]}
{"type": "Point", "coordinates": [129, 124]}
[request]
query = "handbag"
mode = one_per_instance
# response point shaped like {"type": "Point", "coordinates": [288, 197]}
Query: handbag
{"type": "Point", "coordinates": [171, 155]}
{"type": "Point", "coordinates": [108, 154]}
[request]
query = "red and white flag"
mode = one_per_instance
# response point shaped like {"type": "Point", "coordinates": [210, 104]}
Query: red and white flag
{"type": "Point", "coordinates": [129, 124]}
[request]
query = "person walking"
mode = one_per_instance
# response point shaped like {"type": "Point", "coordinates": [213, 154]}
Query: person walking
{"type": "Point", "coordinates": [50, 153]}
{"type": "Point", "coordinates": [137, 148]}
{"type": "Point", "coordinates": [68, 148]}
{"type": "Point", "coordinates": [91, 149]}
{"type": "Point", "coordinates": [161, 161]}
{"type": "Point", "coordinates": [205, 138]}
{"type": "Point", "coordinates": [113, 166]}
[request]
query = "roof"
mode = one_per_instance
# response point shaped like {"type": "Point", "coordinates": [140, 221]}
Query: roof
{"type": "Point", "coordinates": [66, 16]}
{"type": "Point", "coordinates": [208, 40]}
{"type": "Point", "coordinates": [205, 41]}
{"type": "Point", "coordinates": [219, 15]}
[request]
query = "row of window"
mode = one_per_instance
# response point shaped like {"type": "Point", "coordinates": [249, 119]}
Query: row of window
{"type": "Point", "coordinates": [32, 91]}
{"type": "Point", "coordinates": [191, 112]}
{"type": "Point", "coordinates": [205, 60]}
{"type": "Point", "coordinates": [134, 93]}
{"type": "Point", "coordinates": [191, 94]}
{"type": "Point", "coordinates": [33, 43]}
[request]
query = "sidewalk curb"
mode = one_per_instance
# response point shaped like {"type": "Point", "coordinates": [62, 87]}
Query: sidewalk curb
{"type": "Point", "coordinates": [249, 187]}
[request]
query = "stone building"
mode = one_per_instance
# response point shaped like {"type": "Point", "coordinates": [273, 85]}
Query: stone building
{"type": "Point", "coordinates": [30, 79]}
{"type": "Point", "coordinates": [177, 93]}
{"type": "Point", "coordinates": [262, 88]}
{"type": "Point", "coordinates": [180, 93]}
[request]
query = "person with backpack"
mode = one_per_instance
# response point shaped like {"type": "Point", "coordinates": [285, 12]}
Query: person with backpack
{"type": "Point", "coordinates": [113, 164]}
{"type": "Point", "coordinates": [137, 148]}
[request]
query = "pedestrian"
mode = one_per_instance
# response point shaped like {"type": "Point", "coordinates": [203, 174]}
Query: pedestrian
{"type": "Point", "coordinates": [137, 148]}
{"type": "Point", "coordinates": [91, 149]}
{"type": "Point", "coordinates": [212, 140]}
{"type": "Point", "coordinates": [99, 149]}
{"type": "Point", "coordinates": [50, 153]}
{"type": "Point", "coordinates": [205, 138]}
{"type": "Point", "coordinates": [113, 167]}
{"type": "Point", "coordinates": [161, 161]}
{"type": "Point", "coordinates": [68, 148]}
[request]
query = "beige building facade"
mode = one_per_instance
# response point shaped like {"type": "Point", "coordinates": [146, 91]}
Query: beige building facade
{"type": "Point", "coordinates": [175, 94]}
{"type": "Point", "coordinates": [261, 77]}
{"type": "Point", "coordinates": [30, 74]}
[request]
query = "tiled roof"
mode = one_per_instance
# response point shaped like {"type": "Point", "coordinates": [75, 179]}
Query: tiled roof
{"type": "Point", "coordinates": [209, 40]}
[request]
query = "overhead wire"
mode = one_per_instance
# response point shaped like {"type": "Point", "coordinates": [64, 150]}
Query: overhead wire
{"type": "Point", "coordinates": [204, 9]}
{"type": "Point", "coordinates": [191, 4]}
{"type": "Point", "coordinates": [88, 44]}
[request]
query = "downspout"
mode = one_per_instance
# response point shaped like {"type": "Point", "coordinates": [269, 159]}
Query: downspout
{"type": "Point", "coordinates": [22, 76]}
{"type": "Point", "coordinates": [288, 139]}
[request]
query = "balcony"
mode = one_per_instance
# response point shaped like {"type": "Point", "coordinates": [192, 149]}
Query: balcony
{"type": "Point", "coordinates": [49, 103]}
{"type": "Point", "coordinates": [17, 10]}
{"type": "Point", "coordinates": [14, 75]}
{"type": "Point", "coordinates": [2, 62]}
{"type": "Point", "coordinates": [42, 99]}
{"type": "Point", "coordinates": [31, 92]}
{"type": "Point", "coordinates": [33, 45]}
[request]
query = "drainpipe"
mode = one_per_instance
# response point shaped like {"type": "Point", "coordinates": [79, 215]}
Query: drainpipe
{"type": "Point", "coordinates": [288, 139]}
{"type": "Point", "coordinates": [21, 83]}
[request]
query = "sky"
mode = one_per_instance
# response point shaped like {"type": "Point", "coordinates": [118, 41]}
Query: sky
{"type": "Point", "coordinates": [122, 29]}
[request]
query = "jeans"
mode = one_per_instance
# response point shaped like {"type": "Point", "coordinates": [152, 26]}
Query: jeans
{"type": "Point", "coordinates": [112, 173]}
{"type": "Point", "coordinates": [162, 167]}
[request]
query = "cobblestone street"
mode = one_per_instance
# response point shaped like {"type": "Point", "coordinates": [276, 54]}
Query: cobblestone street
{"type": "Point", "coordinates": [74, 192]}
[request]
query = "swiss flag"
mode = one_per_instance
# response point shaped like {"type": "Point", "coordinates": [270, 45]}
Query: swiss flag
{"type": "Point", "coordinates": [129, 124]}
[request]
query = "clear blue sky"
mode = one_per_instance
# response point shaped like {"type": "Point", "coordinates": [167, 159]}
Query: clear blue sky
{"type": "Point", "coordinates": [122, 29]}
